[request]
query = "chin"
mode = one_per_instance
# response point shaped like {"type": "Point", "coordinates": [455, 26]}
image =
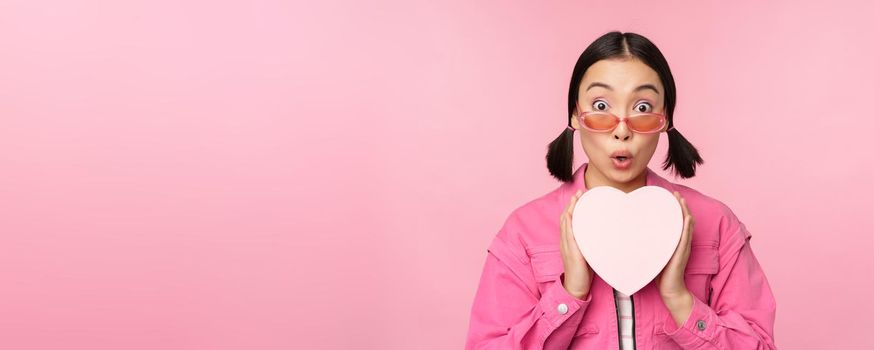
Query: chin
{"type": "Point", "coordinates": [626, 175]}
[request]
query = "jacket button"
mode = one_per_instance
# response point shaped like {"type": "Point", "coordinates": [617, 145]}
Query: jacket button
{"type": "Point", "coordinates": [562, 308]}
{"type": "Point", "coordinates": [700, 324]}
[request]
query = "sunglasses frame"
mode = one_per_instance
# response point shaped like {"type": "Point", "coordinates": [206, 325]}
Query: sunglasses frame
{"type": "Point", "coordinates": [662, 121]}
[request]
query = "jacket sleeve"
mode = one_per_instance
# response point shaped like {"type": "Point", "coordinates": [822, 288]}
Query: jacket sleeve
{"type": "Point", "coordinates": [508, 311]}
{"type": "Point", "coordinates": [743, 306]}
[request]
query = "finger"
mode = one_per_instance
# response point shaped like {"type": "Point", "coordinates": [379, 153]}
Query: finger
{"type": "Point", "coordinates": [690, 224]}
{"type": "Point", "coordinates": [573, 203]}
{"type": "Point", "coordinates": [678, 250]}
{"type": "Point", "coordinates": [686, 230]}
{"type": "Point", "coordinates": [563, 230]}
{"type": "Point", "coordinates": [689, 221]}
{"type": "Point", "coordinates": [567, 226]}
{"type": "Point", "coordinates": [685, 207]}
{"type": "Point", "coordinates": [682, 207]}
{"type": "Point", "coordinates": [568, 221]}
{"type": "Point", "coordinates": [569, 237]}
{"type": "Point", "coordinates": [682, 244]}
{"type": "Point", "coordinates": [570, 203]}
{"type": "Point", "coordinates": [563, 219]}
{"type": "Point", "coordinates": [686, 215]}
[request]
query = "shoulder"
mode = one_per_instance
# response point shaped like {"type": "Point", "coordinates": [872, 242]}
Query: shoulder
{"type": "Point", "coordinates": [531, 226]}
{"type": "Point", "coordinates": [714, 220]}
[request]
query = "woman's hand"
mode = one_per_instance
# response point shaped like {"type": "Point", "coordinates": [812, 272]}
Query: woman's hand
{"type": "Point", "coordinates": [577, 277]}
{"type": "Point", "coordinates": [670, 282]}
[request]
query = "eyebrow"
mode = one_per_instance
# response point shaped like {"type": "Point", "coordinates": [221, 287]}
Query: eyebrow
{"type": "Point", "coordinates": [608, 87]}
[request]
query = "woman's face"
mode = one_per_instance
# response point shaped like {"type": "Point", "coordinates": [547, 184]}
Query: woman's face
{"type": "Point", "coordinates": [622, 87]}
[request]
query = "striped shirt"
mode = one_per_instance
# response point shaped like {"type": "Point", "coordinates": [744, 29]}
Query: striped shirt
{"type": "Point", "coordinates": [625, 312]}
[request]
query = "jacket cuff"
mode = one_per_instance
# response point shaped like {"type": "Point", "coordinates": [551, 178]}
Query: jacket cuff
{"type": "Point", "coordinates": [558, 305]}
{"type": "Point", "coordinates": [698, 329]}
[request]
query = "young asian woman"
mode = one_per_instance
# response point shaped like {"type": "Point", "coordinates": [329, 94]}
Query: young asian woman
{"type": "Point", "coordinates": [537, 291]}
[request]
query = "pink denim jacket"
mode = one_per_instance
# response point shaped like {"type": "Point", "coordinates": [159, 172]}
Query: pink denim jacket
{"type": "Point", "coordinates": [520, 302]}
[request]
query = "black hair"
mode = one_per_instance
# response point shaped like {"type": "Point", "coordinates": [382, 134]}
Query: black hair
{"type": "Point", "coordinates": [682, 156]}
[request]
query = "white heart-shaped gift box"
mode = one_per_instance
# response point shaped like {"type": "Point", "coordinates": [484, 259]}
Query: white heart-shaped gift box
{"type": "Point", "coordinates": [627, 238]}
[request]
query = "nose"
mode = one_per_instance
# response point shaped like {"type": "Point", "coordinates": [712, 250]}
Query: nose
{"type": "Point", "coordinates": [621, 131]}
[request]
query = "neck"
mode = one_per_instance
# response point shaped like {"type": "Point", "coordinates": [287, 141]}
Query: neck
{"type": "Point", "coordinates": [594, 177]}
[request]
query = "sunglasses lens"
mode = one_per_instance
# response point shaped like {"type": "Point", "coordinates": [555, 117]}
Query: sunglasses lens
{"type": "Point", "coordinates": [600, 121]}
{"type": "Point", "coordinates": [645, 122]}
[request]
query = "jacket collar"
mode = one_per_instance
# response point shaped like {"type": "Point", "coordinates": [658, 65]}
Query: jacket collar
{"type": "Point", "coordinates": [568, 189]}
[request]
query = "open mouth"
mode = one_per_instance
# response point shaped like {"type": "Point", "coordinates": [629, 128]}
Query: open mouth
{"type": "Point", "coordinates": [621, 162]}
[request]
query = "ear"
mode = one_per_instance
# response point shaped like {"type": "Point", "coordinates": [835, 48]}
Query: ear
{"type": "Point", "coordinates": [575, 120]}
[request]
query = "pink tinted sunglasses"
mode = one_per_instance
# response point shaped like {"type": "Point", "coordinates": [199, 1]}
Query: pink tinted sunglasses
{"type": "Point", "coordinates": [642, 123]}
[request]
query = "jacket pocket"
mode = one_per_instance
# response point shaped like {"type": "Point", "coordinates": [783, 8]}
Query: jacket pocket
{"type": "Point", "coordinates": [662, 341]}
{"type": "Point", "coordinates": [546, 264]}
{"type": "Point", "coordinates": [587, 329]}
{"type": "Point", "coordinates": [702, 265]}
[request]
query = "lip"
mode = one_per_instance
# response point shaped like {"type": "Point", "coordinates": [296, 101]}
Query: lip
{"type": "Point", "coordinates": [621, 164]}
{"type": "Point", "coordinates": [623, 153]}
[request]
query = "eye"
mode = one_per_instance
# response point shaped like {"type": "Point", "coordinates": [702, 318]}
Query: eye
{"type": "Point", "coordinates": [600, 105]}
{"type": "Point", "coordinates": [643, 107]}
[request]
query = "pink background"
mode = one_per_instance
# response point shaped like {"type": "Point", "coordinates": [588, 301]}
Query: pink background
{"type": "Point", "coordinates": [327, 175]}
